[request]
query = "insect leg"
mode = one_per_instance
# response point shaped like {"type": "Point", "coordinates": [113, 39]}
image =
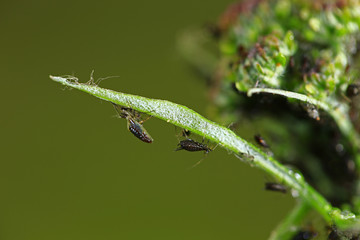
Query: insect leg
{"type": "Point", "coordinates": [122, 113]}
{"type": "Point", "coordinates": [142, 121]}
{"type": "Point", "coordinates": [196, 164]}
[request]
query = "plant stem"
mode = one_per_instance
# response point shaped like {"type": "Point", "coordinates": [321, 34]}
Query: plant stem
{"type": "Point", "coordinates": [290, 225]}
{"type": "Point", "coordinates": [338, 113]}
{"type": "Point", "coordinates": [289, 94]}
{"type": "Point", "coordinates": [186, 118]}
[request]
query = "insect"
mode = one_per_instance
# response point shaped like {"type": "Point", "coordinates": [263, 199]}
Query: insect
{"type": "Point", "coordinates": [193, 146]}
{"type": "Point", "coordinates": [133, 124]}
{"type": "Point", "coordinates": [312, 111]}
{"type": "Point", "coordinates": [305, 234]}
{"type": "Point", "coordinates": [353, 90]}
{"type": "Point", "coordinates": [276, 187]}
{"type": "Point", "coordinates": [261, 141]}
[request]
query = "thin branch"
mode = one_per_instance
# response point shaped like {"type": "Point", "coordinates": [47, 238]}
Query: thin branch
{"type": "Point", "coordinates": [289, 94]}
{"type": "Point", "coordinates": [186, 118]}
{"type": "Point", "coordinates": [339, 113]}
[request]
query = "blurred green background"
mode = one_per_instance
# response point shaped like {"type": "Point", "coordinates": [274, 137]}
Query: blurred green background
{"type": "Point", "coordinates": [71, 170]}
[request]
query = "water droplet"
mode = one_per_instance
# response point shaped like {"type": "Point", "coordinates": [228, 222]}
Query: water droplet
{"type": "Point", "coordinates": [294, 193]}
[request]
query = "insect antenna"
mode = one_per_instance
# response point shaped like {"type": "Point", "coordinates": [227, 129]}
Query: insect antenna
{"type": "Point", "coordinates": [99, 80]}
{"type": "Point", "coordinates": [142, 121]}
{"type": "Point", "coordinates": [93, 82]}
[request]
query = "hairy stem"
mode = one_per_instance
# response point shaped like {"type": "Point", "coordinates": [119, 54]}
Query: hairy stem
{"type": "Point", "coordinates": [289, 94]}
{"type": "Point", "coordinates": [188, 119]}
{"type": "Point", "coordinates": [338, 113]}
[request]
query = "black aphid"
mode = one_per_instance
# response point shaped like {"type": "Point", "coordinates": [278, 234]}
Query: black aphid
{"type": "Point", "coordinates": [277, 187]}
{"type": "Point", "coordinates": [305, 235]}
{"type": "Point", "coordinates": [192, 146]}
{"type": "Point", "coordinates": [134, 125]}
{"type": "Point", "coordinates": [261, 141]}
{"type": "Point", "coordinates": [138, 130]}
{"type": "Point", "coordinates": [353, 90]}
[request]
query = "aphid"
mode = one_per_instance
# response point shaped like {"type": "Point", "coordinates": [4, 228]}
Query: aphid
{"type": "Point", "coordinates": [312, 111]}
{"type": "Point", "coordinates": [261, 141]}
{"type": "Point", "coordinates": [353, 90]}
{"type": "Point", "coordinates": [304, 235]}
{"type": "Point", "coordinates": [134, 125]}
{"type": "Point", "coordinates": [276, 187]}
{"type": "Point", "coordinates": [193, 146]}
{"type": "Point", "coordinates": [334, 234]}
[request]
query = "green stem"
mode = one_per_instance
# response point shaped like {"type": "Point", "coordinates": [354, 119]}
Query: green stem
{"type": "Point", "coordinates": [188, 119]}
{"type": "Point", "coordinates": [289, 94]}
{"type": "Point", "coordinates": [338, 113]}
{"type": "Point", "coordinates": [290, 225]}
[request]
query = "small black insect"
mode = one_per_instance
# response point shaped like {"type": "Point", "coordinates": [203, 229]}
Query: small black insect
{"type": "Point", "coordinates": [261, 141]}
{"type": "Point", "coordinates": [193, 146]}
{"type": "Point", "coordinates": [333, 235]}
{"type": "Point", "coordinates": [353, 90]}
{"type": "Point", "coordinates": [277, 187]}
{"type": "Point", "coordinates": [138, 130]}
{"type": "Point", "coordinates": [134, 125]}
{"type": "Point", "coordinates": [304, 235]}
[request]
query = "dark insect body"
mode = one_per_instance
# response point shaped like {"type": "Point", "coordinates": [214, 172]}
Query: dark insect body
{"type": "Point", "coordinates": [261, 141]}
{"type": "Point", "coordinates": [192, 146]}
{"type": "Point", "coordinates": [333, 235]}
{"type": "Point", "coordinates": [138, 130]}
{"type": "Point", "coordinates": [353, 90]}
{"type": "Point", "coordinates": [304, 235]}
{"type": "Point", "coordinates": [276, 187]}
{"type": "Point", "coordinates": [134, 126]}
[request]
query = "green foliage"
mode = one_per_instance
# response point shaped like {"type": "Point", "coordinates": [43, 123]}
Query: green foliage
{"type": "Point", "coordinates": [319, 39]}
{"type": "Point", "coordinates": [305, 51]}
